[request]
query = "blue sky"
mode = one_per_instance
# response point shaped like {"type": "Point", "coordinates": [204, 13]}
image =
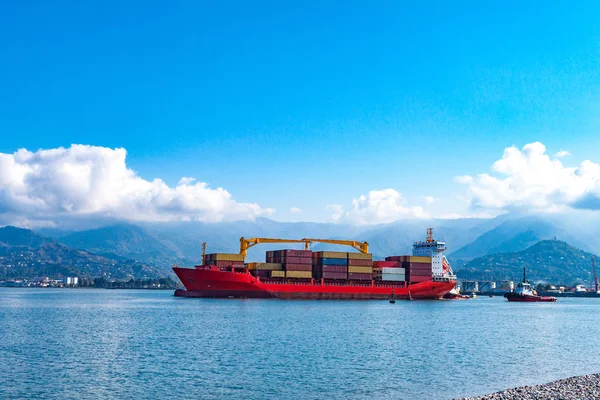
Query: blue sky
{"type": "Point", "coordinates": [305, 104]}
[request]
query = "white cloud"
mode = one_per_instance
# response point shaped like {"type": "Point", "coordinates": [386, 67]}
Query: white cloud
{"type": "Point", "coordinates": [337, 211]}
{"type": "Point", "coordinates": [94, 182]}
{"type": "Point", "coordinates": [379, 206]}
{"type": "Point", "coordinates": [295, 210]}
{"type": "Point", "coordinates": [562, 153]}
{"type": "Point", "coordinates": [430, 199]}
{"type": "Point", "coordinates": [530, 179]}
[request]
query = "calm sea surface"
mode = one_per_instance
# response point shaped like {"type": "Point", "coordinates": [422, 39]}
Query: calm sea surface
{"type": "Point", "coordinates": [89, 344]}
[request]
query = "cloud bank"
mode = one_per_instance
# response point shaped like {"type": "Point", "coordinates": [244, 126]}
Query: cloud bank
{"type": "Point", "coordinates": [94, 182]}
{"type": "Point", "coordinates": [529, 179]}
{"type": "Point", "coordinates": [377, 207]}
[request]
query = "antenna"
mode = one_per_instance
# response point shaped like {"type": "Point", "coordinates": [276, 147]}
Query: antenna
{"type": "Point", "coordinates": [429, 235]}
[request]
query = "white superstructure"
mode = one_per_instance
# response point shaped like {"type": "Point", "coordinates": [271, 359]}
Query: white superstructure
{"type": "Point", "coordinates": [440, 267]}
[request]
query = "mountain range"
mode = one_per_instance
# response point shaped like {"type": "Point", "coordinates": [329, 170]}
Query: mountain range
{"type": "Point", "coordinates": [25, 254]}
{"type": "Point", "coordinates": [159, 246]}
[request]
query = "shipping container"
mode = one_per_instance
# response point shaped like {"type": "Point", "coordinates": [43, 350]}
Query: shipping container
{"type": "Point", "coordinates": [222, 263]}
{"type": "Point", "coordinates": [418, 259]}
{"type": "Point", "coordinates": [295, 253]}
{"type": "Point", "coordinates": [359, 277]}
{"type": "Point", "coordinates": [277, 274]}
{"type": "Point", "coordinates": [265, 266]}
{"type": "Point", "coordinates": [335, 275]}
{"type": "Point", "coordinates": [332, 261]}
{"type": "Point", "coordinates": [225, 257]}
{"type": "Point", "coordinates": [360, 263]}
{"type": "Point", "coordinates": [263, 274]}
{"type": "Point", "coordinates": [360, 270]}
{"type": "Point", "coordinates": [387, 264]}
{"type": "Point", "coordinates": [297, 267]}
{"type": "Point", "coordinates": [392, 278]}
{"type": "Point", "coordinates": [330, 254]}
{"type": "Point", "coordinates": [296, 260]}
{"type": "Point", "coordinates": [395, 271]}
{"type": "Point", "coordinates": [298, 274]}
{"type": "Point", "coordinates": [360, 256]}
{"type": "Point", "coordinates": [333, 268]}
{"type": "Point", "coordinates": [419, 279]}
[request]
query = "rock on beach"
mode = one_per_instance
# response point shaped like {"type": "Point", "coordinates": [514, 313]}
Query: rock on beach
{"type": "Point", "coordinates": [585, 387]}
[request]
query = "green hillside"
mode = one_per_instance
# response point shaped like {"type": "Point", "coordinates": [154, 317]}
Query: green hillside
{"type": "Point", "coordinates": [553, 261]}
{"type": "Point", "coordinates": [24, 254]}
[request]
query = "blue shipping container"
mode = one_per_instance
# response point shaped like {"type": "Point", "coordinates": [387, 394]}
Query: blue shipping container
{"type": "Point", "coordinates": [332, 261]}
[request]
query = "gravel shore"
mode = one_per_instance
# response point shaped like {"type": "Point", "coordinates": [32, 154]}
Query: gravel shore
{"type": "Point", "coordinates": [585, 387]}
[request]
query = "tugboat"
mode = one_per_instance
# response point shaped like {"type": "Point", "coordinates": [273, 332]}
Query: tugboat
{"type": "Point", "coordinates": [525, 293]}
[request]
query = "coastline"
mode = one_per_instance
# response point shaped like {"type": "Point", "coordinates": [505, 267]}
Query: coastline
{"type": "Point", "coordinates": [582, 387]}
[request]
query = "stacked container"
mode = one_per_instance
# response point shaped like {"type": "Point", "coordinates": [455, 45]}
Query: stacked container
{"type": "Point", "coordinates": [224, 259]}
{"type": "Point", "coordinates": [360, 266]}
{"type": "Point", "coordinates": [297, 264]}
{"type": "Point", "coordinates": [389, 271]}
{"type": "Point", "coordinates": [418, 268]}
{"type": "Point", "coordinates": [330, 265]}
{"type": "Point", "coordinates": [264, 270]}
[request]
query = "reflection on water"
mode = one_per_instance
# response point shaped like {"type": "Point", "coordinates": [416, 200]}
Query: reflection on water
{"type": "Point", "coordinates": [89, 344]}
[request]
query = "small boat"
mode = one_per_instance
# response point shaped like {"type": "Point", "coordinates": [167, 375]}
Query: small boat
{"type": "Point", "coordinates": [455, 295]}
{"type": "Point", "coordinates": [525, 293]}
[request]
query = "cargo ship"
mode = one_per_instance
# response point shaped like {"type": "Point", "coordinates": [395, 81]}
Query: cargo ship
{"type": "Point", "coordinates": [304, 274]}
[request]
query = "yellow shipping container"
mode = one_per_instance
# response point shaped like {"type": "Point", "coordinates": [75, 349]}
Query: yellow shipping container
{"type": "Point", "coordinates": [334, 254]}
{"type": "Point", "coordinates": [264, 266]}
{"type": "Point", "coordinates": [226, 257]}
{"type": "Point", "coordinates": [419, 259]}
{"type": "Point", "coordinates": [360, 256]}
{"type": "Point", "coordinates": [360, 270]}
{"type": "Point", "coordinates": [269, 266]}
{"type": "Point", "coordinates": [298, 274]}
{"type": "Point", "coordinates": [277, 274]}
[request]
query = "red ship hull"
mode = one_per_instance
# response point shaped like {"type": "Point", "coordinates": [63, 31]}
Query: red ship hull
{"type": "Point", "coordinates": [215, 283]}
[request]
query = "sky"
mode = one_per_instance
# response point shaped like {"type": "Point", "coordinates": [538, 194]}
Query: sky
{"type": "Point", "coordinates": [312, 111]}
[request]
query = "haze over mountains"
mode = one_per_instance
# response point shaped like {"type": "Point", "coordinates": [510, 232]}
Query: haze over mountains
{"type": "Point", "coordinates": [161, 245]}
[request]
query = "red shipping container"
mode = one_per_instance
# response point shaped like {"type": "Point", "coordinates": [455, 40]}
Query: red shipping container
{"type": "Point", "coordinates": [297, 267]}
{"type": "Point", "coordinates": [292, 259]}
{"type": "Point", "coordinates": [305, 260]}
{"type": "Point", "coordinates": [298, 253]}
{"type": "Point", "coordinates": [359, 277]}
{"type": "Point", "coordinates": [359, 263]}
{"type": "Point", "coordinates": [261, 273]}
{"type": "Point", "coordinates": [334, 268]}
{"type": "Point", "coordinates": [335, 275]}
{"type": "Point", "coordinates": [222, 263]}
{"type": "Point", "coordinates": [419, 279]}
{"type": "Point", "coordinates": [397, 258]}
{"type": "Point", "coordinates": [387, 264]}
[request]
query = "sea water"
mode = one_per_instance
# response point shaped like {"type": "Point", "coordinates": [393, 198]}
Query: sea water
{"type": "Point", "coordinates": [115, 344]}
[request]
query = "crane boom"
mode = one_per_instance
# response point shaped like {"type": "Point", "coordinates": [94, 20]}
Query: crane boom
{"type": "Point", "coordinates": [363, 247]}
{"type": "Point", "coordinates": [245, 244]}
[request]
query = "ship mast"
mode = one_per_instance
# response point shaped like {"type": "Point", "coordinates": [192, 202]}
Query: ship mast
{"type": "Point", "coordinates": [430, 235]}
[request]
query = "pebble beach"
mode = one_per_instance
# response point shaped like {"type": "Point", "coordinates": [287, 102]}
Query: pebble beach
{"type": "Point", "coordinates": [585, 387]}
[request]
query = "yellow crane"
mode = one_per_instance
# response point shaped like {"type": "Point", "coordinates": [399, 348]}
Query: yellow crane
{"type": "Point", "coordinates": [245, 244]}
{"type": "Point", "coordinates": [363, 247]}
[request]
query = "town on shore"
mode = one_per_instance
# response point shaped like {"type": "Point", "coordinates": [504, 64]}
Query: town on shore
{"type": "Point", "coordinates": [100, 283]}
